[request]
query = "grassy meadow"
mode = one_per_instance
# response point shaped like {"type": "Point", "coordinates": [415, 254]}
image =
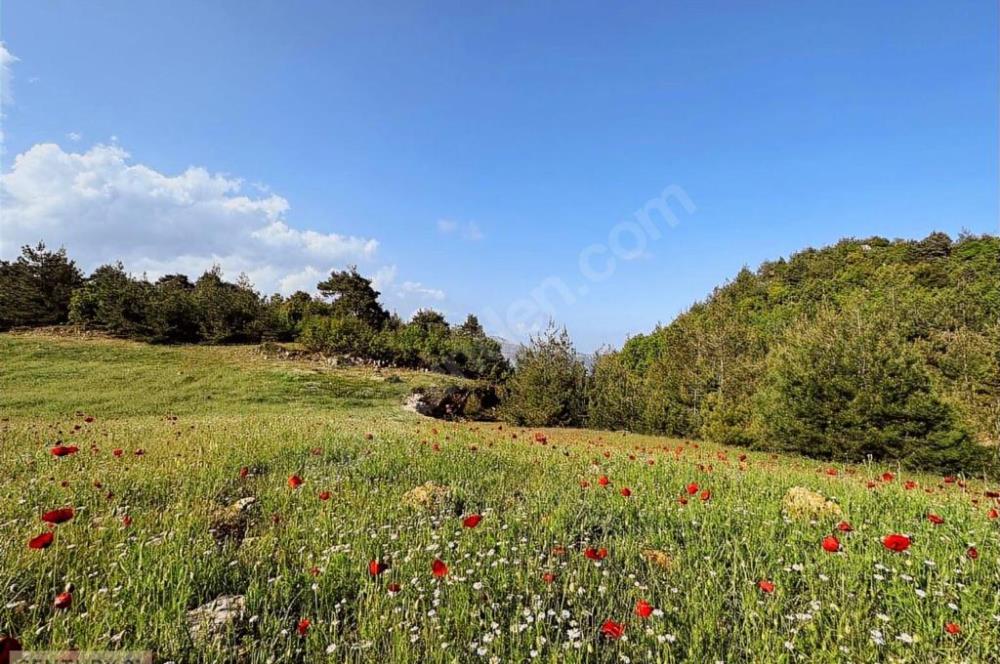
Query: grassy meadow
{"type": "Point", "coordinates": [591, 546]}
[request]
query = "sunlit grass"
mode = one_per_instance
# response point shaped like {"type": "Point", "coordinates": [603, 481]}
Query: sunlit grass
{"type": "Point", "coordinates": [342, 431]}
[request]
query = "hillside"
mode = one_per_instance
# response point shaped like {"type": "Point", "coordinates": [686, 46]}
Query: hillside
{"type": "Point", "coordinates": [149, 487]}
{"type": "Point", "coordinates": [841, 352]}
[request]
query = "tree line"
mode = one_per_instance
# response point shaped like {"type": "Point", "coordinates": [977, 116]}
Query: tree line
{"type": "Point", "coordinates": [867, 349]}
{"type": "Point", "coordinates": [43, 287]}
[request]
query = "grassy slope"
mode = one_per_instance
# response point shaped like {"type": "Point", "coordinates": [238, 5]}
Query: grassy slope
{"type": "Point", "coordinates": [235, 409]}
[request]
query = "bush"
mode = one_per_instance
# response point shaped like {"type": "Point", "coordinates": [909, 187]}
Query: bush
{"type": "Point", "coordinates": [614, 394]}
{"type": "Point", "coordinates": [113, 301]}
{"type": "Point", "coordinates": [548, 387]}
{"type": "Point", "coordinates": [341, 335]}
{"type": "Point", "coordinates": [36, 288]}
{"type": "Point", "coordinates": [848, 386]}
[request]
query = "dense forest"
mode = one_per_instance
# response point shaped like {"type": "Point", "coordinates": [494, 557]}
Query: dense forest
{"type": "Point", "coordinates": [868, 348]}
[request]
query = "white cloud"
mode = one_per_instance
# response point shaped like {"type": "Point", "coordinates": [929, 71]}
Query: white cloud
{"type": "Point", "coordinates": [102, 207]}
{"type": "Point", "coordinates": [7, 60]}
{"type": "Point", "coordinates": [74, 136]}
{"type": "Point", "coordinates": [467, 231]}
{"type": "Point", "coordinates": [416, 288]}
{"type": "Point", "coordinates": [384, 281]}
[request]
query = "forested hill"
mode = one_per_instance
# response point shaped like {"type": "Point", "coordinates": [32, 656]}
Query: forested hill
{"type": "Point", "coordinates": [868, 347]}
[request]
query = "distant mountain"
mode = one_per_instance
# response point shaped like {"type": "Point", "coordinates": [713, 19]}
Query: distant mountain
{"type": "Point", "coordinates": [509, 350]}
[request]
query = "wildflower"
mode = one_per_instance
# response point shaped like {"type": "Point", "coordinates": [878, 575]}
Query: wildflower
{"type": "Point", "coordinates": [972, 553]}
{"type": "Point", "coordinates": [766, 586]}
{"type": "Point", "coordinates": [612, 630]}
{"type": "Point", "coordinates": [42, 541]}
{"type": "Point", "coordinates": [692, 488]}
{"type": "Point", "coordinates": [303, 626]}
{"type": "Point", "coordinates": [471, 521]}
{"type": "Point", "coordinates": [643, 609]}
{"type": "Point", "coordinates": [844, 527]}
{"type": "Point", "coordinates": [626, 491]}
{"type": "Point", "coordinates": [324, 495]}
{"type": "Point", "coordinates": [64, 450]}
{"type": "Point", "coordinates": [603, 480]}
{"type": "Point", "coordinates": [831, 544]}
{"type": "Point", "coordinates": [935, 519]}
{"type": "Point", "coordinates": [244, 472]}
{"type": "Point", "coordinates": [294, 481]}
{"type": "Point", "coordinates": [61, 515]}
{"type": "Point", "coordinates": [439, 569]}
{"type": "Point", "coordinates": [595, 554]}
{"type": "Point", "coordinates": [63, 600]}
{"type": "Point", "coordinates": [375, 567]}
{"type": "Point", "coordinates": [897, 543]}
{"type": "Point", "coordinates": [952, 628]}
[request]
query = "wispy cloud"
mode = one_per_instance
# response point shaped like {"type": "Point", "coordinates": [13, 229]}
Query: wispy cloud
{"type": "Point", "coordinates": [469, 230]}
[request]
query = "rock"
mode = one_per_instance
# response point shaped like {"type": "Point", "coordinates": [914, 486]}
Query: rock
{"type": "Point", "coordinates": [454, 402]}
{"type": "Point", "coordinates": [658, 558]}
{"type": "Point", "coordinates": [429, 496]}
{"type": "Point", "coordinates": [232, 523]}
{"type": "Point", "coordinates": [801, 503]}
{"type": "Point", "coordinates": [211, 621]}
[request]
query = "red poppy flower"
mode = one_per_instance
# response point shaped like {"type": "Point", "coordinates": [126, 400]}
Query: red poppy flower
{"type": "Point", "coordinates": [471, 521]}
{"type": "Point", "coordinates": [595, 554]}
{"type": "Point", "coordinates": [692, 488]}
{"type": "Point", "coordinates": [393, 588]}
{"type": "Point", "coordinates": [64, 450]}
{"type": "Point", "coordinates": [952, 628]}
{"type": "Point", "coordinates": [935, 519]}
{"type": "Point", "coordinates": [765, 586]}
{"type": "Point", "coordinates": [612, 630]}
{"type": "Point", "coordinates": [294, 481]}
{"type": "Point", "coordinates": [61, 515]}
{"type": "Point", "coordinates": [831, 544]}
{"type": "Point", "coordinates": [376, 567]}
{"type": "Point", "coordinates": [244, 472]}
{"type": "Point", "coordinates": [324, 495]}
{"type": "Point", "coordinates": [909, 485]}
{"type": "Point", "coordinates": [126, 521]}
{"type": "Point", "coordinates": [314, 571]}
{"type": "Point", "coordinates": [706, 495]}
{"type": "Point", "coordinates": [844, 527]}
{"type": "Point", "coordinates": [626, 491]}
{"type": "Point", "coordinates": [972, 553]}
{"type": "Point", "coordinates": [888, 477]}
{"type": "Point", "coordinates": [548, 577]}
{"type": "Point", "coordinates": [439, 569]}
{"type": "Point", "coordinates": [992, 514]}
{"type": "Point", "coordinates": [643, 609]}
{"type": "Point", "coordinates": [603, 480]}
{"type": "Point", "coordinates": [683, 500]}
{"type": "Point", "coordinates": [118, 452]}
{"type": "Point", "coordinates": [303, 626]}
{"type": "Point", "coordinates": [897, 543]}
{"type": "Point", "coordinates": [63, 600]}
{"type": "Point", "coordinates": [42, 541]}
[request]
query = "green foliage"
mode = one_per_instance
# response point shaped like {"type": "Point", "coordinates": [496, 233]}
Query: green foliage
{"type": "Point", "coordinates": [113, 301]}
{"type": "Point", "coordinates": [35, 289]}
{"type": "Point", "coordinates": [548, 387]}
{"type": "Point", "coordinates": [704, 374]}
{"type": "Point", "coordinates": [848, 385]}
{"type": "Point", "coordinates": [614, 393]}
{"type": "Point", "coordinates": [340, 335]}
{"type": "Point", "coordinates": [353, 295]}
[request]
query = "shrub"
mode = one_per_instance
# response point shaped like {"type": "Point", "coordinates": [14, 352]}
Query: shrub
{"type": "Point", "coordinates": [548, 387]}
{"type": "Point", "coordinates": [36, 288]}
{"type": "Point", "coordinates": [848, 386]}
{"type": "Point", "coordinates": [113, 301]}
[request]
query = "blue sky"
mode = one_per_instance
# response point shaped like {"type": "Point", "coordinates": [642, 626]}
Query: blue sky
{"type": "Point", "coordinates": [469, 152]}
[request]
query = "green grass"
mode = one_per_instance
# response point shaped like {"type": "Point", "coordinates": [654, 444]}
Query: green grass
{"type": "Point", "coordinates": [303, 557]}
